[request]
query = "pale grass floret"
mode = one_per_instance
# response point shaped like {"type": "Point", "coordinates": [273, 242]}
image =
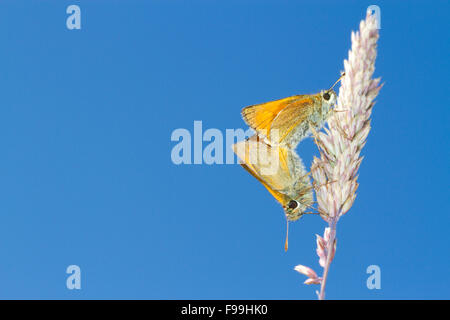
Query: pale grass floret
{"type": "Point", "coordinates": [336, 171]}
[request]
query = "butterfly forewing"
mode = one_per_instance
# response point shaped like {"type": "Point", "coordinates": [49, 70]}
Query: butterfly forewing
{"type": "Point", "coordinates": [289, 125]}
{"type": "Point", "coordinates": [279, 169]}
{"type": "Point", "coordinates": [260, 116]}
{"type": "Point", "coordinates": [272, 164]}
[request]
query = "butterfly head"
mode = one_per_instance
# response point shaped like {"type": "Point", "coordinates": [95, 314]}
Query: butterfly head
{"type": "Point", "coordinates": [293, 210]}
{"type": "Point", "coordinates": [328, 99]}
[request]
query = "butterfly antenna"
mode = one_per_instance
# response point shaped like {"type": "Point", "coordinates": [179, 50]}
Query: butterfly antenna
{"type": "Point", "coordinates": [287, 234]}
{"type": "Point", "coordinates": [342, 75]}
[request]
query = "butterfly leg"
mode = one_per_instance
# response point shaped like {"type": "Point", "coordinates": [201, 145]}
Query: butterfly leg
{"type": "Point", "coordinates": [322, 185]}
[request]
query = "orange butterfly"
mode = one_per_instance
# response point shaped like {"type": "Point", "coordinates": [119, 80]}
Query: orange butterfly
{"type": "Point", "coordinates": [287, 121]}
{"type": "Point", "coordinates": [281, 171]}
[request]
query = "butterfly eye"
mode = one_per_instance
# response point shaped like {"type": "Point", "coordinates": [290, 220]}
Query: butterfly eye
{"type": "Point", "coordinates": [292, 204]}
{"type": "Point", "coordinates": [326, 96]}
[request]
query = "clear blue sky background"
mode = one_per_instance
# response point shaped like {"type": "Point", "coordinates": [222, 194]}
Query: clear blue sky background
{"type": "Point", "coordinates": [86, 176]}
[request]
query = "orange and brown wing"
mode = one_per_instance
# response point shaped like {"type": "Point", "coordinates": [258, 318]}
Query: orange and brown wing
{"type": "Point", "coordinates": [292, 116]}
{"type": "Point", "coordinates": [280, 197]}
{"type": "Point", "coordinates": [269, 165]}
{"type": "Point", "coordinates": [260, 116]}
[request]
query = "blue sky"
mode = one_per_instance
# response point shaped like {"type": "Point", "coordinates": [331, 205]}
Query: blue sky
{"type": "Point", "coordinates": [86, 176]}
